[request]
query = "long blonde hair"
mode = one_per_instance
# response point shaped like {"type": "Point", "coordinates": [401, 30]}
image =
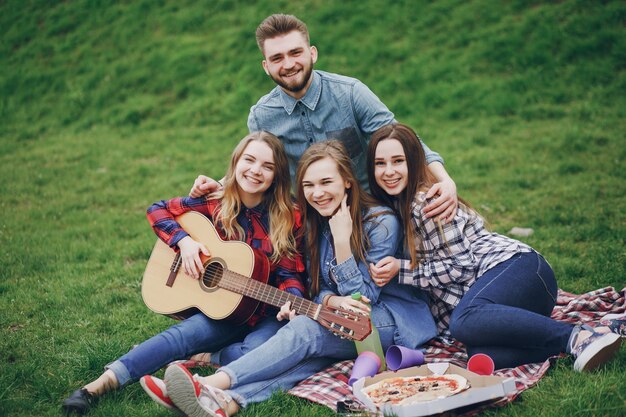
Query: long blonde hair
{"type": "Point", "coordinates": [277, 198]}
{"type": "Point", "coordinates": [358, 201]}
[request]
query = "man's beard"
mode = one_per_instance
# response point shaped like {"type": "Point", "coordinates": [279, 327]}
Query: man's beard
{"type": "Point", "coordinates": [297, 87]}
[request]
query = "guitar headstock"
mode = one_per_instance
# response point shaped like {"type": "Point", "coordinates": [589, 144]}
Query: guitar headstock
{"type": "Point", "coordinates": [344, 323]}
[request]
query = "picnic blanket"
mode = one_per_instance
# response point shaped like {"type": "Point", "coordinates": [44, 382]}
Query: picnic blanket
{"type": "Point", "coordinates": [330, 386]}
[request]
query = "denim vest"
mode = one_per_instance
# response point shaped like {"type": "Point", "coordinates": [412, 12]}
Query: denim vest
{"type": "Point", "coordinates": [405, 306]}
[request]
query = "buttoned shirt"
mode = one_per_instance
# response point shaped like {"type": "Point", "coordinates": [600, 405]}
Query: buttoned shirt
{"type": "Point", "coordinates": [396, 305]}
{"type": "Point", "coordinates": [334, 107]}
{"type": "Point", "coordinates": [452, 257]}
{"type": "Point", "coordinates": [287, 274]}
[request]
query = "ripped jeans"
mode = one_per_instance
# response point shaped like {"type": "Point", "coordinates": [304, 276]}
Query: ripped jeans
{"type": "Point", "coordinates": [506, 313]}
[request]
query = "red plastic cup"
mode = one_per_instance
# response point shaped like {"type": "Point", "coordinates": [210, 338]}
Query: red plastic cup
{"type": "Point", "coordinates": [481, 364]}
{"type": "Point", "coordinates": [366, 364]}
{"type": "Point", "coordinates": [400, 357]}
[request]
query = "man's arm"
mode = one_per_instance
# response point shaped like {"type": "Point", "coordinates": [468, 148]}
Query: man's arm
{"type": "Point", "coordinates": [253, 124]}
{"type": "Point", "coordinates": [446, 204]}
{"type": "Point", "coordinates": [204, 185]}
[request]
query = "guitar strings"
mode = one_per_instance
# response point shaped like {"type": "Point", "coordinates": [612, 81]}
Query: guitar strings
{"type": "Point", "coordinates": [242, 284]}
{"type": "Point", "coordinates": [214, 273]}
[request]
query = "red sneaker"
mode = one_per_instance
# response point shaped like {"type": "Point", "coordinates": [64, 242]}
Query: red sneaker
{"type": "Point", "coordinates": [193, 398]}
{"type": "Point", "coordinates": [155, 388]}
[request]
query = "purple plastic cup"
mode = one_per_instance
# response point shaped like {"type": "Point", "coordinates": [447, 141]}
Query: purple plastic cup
{"type": "Point", "coordinates": [400, 357]}
{"type": "Point", "coordinates": [481, 364]}
{"type": "Point", "coordinates": [366, 364]}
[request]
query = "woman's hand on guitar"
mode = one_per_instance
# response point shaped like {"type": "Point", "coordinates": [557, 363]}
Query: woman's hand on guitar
{"type": "Point", "coordinates": [190, 256]}
{"type": "Point", "coordinates": [286, 313]}
{"type": "Point", "coordinates": [348, 303]}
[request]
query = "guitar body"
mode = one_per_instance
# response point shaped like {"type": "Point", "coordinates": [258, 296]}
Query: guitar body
{"type": "Point", "coordinates": [233, 285]}
{"type": "Point", "coordinates": [180, 295]}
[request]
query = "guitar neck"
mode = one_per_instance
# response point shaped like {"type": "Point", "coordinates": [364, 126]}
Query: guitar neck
{"type": "Point", "coordinates": [260, 291]}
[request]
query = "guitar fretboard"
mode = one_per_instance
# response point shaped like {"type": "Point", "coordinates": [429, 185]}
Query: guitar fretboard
{"type": "Point", "coordinates": [216, 276]}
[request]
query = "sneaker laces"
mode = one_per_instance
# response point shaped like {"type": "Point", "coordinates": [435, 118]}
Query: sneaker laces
{"type": "Point", "coordinates": [214, 398]}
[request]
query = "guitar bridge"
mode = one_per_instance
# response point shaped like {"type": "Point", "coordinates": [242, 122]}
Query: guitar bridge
{"type": "Point", "coordinates": [173, 270]}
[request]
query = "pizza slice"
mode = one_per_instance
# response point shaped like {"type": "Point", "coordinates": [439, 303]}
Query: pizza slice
{"type": "Point", "coordinates": [409, 390]}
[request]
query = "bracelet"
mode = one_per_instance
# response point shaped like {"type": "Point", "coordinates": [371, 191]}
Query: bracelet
{"type": "Point", "coordinates": [326, 299]}
{"type": "Point", "coordinates": [220, 183]}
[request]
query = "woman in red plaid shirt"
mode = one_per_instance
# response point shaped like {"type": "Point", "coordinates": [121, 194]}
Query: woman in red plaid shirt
{"type": "Point", "coordinates": [492, 293]}
{"type": "Point", "coordinates": [254, 206]}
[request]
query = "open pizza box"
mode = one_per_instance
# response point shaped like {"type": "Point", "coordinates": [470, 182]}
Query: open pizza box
{"type": "Point", "coordinates": [482, 388]}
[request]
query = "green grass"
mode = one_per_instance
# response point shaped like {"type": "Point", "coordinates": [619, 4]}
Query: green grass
{"type": "Point", "coordinates": [107, 107]}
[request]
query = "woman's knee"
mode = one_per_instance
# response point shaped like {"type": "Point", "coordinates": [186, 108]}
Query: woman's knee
{"type": "Point", "coordinates": [195, 330]}
{"type": "Point", "coordinates": [300, 331]}
{"type": "Point", "coordinates": [458, 325]}
{"type": "Point", "coordinates": [300, 324]}
{"type": "Point", "coordinates": [546, 275]}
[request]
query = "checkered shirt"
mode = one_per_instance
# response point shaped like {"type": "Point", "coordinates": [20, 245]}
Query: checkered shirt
{"type": "Point", "coordinates": [452, 257]}
{"type": "Point", "coordinates": [286, 274]}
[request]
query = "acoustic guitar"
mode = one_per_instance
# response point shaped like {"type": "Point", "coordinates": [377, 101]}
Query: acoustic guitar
{"type": "Point", "coordinates": [233, 285]}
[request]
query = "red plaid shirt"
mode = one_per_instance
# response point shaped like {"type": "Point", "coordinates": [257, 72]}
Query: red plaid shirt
{"type": "Point", "coordinates": [286, 274]}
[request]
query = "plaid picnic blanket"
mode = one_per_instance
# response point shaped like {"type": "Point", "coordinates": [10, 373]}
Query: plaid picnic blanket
{"type": "Point", "coordinates": [330, 386]}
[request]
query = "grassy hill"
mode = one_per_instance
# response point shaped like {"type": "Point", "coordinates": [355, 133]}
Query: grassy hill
{"type": "Point", "coordinates": [107, 107]}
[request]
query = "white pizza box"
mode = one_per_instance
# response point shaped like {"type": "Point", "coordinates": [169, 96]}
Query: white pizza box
{"type": "Point", "coordinates": [483, 388]}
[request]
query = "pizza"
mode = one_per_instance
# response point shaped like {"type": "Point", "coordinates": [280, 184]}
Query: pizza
{"type": "Point", "coordinates": [414, 389]}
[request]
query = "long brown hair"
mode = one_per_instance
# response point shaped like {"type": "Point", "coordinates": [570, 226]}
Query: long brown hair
{"type": "Point", "coordinates": [358, 200]}
{"type": "Point", "coordinates": [277, 198]}
{"type": "Point", "coordinates": [419, 177]}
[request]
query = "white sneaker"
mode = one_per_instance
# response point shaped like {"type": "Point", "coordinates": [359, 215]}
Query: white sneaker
{"type": "Point", "coordinates": [615, 322]}
{"type": "Point", "coordinates": [595, 350]}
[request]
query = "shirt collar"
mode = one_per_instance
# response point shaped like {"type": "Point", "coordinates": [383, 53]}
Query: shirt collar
{"type": "Point", "coordinates": [310, 99]}
{"type": "Point", "coordinates": [325, 227]}
{"type": "Point", "coordinates": [256, 211]}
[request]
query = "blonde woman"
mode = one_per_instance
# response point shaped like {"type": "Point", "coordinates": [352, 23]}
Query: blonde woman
{"type": "Point", "coordinates": [254, 206]}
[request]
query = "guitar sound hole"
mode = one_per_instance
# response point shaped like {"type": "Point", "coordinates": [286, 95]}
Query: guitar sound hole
{"type": "Point", "coordinates": [212, 274]}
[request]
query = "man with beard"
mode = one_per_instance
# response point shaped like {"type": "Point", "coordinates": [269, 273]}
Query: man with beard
{"type": "Point", "coordinates": [309, 106]}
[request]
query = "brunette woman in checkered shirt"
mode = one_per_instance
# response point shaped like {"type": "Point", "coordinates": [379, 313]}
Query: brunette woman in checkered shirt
{"type": "Point", "coordinates": [492, 293]}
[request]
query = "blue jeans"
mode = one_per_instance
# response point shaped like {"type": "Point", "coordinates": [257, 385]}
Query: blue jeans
{"type": "Point", "coordinates": [196, 334]}
{"type": "Point", "coordinates": [506, 313]}
{"type": "Point", "coordinates": [261, 390]}
{"type": "Point", "coordinates": [297, 351]}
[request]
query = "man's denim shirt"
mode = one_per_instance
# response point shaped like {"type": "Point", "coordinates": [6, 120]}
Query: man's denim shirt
{"type": "Point", "coordinates": [334, 107]}
{"type": "Point", "coordinates": [402, 305]}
